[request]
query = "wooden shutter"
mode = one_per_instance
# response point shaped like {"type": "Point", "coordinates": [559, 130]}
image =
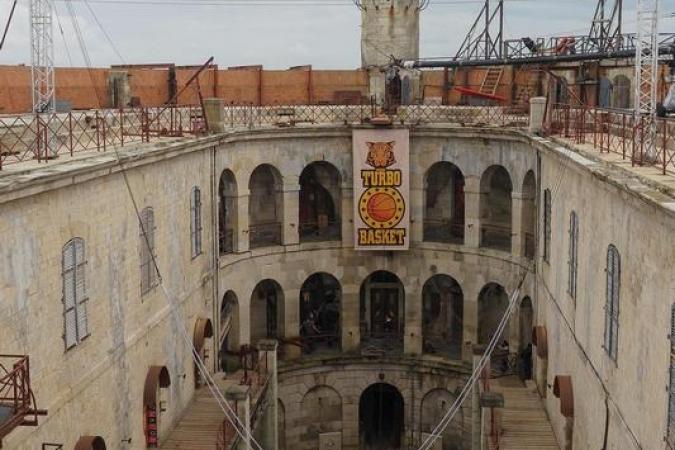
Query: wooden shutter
{"type": "Point", "coordinates": [81, 291]}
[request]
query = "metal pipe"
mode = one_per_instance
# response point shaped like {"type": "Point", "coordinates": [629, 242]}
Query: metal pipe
{"type": "Point", "coordinates": [534, 60]}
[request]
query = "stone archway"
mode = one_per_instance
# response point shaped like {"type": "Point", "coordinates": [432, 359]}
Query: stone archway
{"type": "Point", "coordinates": [382, 313]}
{"type": "Point", "coordinates": [381, 418]}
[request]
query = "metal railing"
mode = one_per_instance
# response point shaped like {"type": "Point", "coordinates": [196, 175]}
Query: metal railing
{"type": "Point", "coordinates": [17, 402]}
{"type": "Point", "coordinates": [494, 236]}
{"type": "Point", "coordinates": [264, 234]}
{"type": "Point", "coordinates": [615, 131]}
{"type": "Point", "coordinates": [445, 231]}
{"type": "Point", "coordinates": [320, 231]}
{"type": "Point", "coordinates": [43, 137]}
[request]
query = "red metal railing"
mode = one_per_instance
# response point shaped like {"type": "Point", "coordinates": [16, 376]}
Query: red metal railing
{"type": "Point", "coordinates": [17, 402]}
{"type": "Point", "coordinates": [617, 132]}
{"type": "Point", "coordinates": [42, 137]}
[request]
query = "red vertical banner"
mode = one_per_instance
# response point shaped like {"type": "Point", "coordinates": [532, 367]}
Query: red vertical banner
{"type": "Point", "coordinates": [381, 189]}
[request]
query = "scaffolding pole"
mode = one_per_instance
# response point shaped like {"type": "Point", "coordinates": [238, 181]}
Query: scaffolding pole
{"type": "Point", "coordinates": [646, 75]}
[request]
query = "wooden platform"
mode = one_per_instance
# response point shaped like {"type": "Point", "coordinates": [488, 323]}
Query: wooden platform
{"type": "Point", "coordinates": [524, 421]}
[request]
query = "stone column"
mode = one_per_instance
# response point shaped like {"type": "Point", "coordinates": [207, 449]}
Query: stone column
{"type": "Point", "coordinates": [238, 395]}
{"type": "Point", "coordinates": [290, 234]}
{"type": "Point", "coordinates": [270, 434]}
{"type": "Point", "coordinates": [351, 330]}
{"type": "Point", "coordinates": [469, 326]}
{"type": "Point", "coordinates": [517, 236]}
{"type": "Point", "coordinates": [241, 231]}
{"type": "Point", "coordinates": [537, 112]}
{"type": "Point", "coordinates": [472, 211]}
{"type": "Point", "coordinates": [347, 216]}
{"type": "Point", "coordinates": [214, 113]}
{"type": "Point", "coordinates": [412, 338]}
{"type": "Point", "coordinates": [416, 210]}
{"type": "Point", "coordinates": [291, 313]}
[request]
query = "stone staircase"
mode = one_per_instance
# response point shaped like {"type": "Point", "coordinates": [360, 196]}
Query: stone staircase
{"type": "Point", "coordinates": [525, 424]}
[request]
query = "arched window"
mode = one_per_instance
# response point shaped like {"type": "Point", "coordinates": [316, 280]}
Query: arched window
{"type": "Point", "coordinates": [496, 209]}
{"type": "Point", "coordinates": [671, 392]}
{"type": "Point", "coordinates": [320, 202]}
{"type": "Point", "coordinates": [444, 204]}
{"type": "Point", "coordinates": [227, 211]}
{"type": "Point", "coordinates": [529, 214]}
{"type": "Point", "coordinates": [73, 264]}
{"type": "Point", "coordinates": [442, 316]}
{"type": "Point", "coordinates": [573, 255]}
{"type": "Point", "coordinates": [320, 306]}
{"type": "Point", "coordinates": [148, 270]}
{"type": "Point", "coordinates": [196, 221]}
{"type": "Point", "coordinates": [547, 225]}
{"type": "Point", "coordinates": [265, 207]}
{"type": "Point", "coordinates": [612, 302]}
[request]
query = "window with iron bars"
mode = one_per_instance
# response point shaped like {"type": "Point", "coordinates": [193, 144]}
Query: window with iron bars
{"type": "Point", "coordinates": [547, 225]}
{"type": "Point", "coordinates": [73, 264]}
{"type": "Point", "coordinates": [196, 221]}
{"type": "Point", "coordinates": [148, 271]}
{"type": "Point", "coordinates": [573, 258]}
{"type": "Point", "coordinates": [613, 273]}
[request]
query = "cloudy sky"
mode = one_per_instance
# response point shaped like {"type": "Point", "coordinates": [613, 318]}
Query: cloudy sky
{"type": "Point", "coordinates": [275, 33]}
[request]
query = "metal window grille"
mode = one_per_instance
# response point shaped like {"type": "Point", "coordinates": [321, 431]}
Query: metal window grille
{"type": "Point", "coordinates": [573, 255]}
{"type": "Point", "coordinates": [196, 221]}
{"type": "Point", "coordinates": [73, 264]}
{"type": "Point", "coordinates": [612, 302]}
{"type": "Point", "coordinates": [148, 270]}
{"type": "Point", "coordinates": [547, 225]}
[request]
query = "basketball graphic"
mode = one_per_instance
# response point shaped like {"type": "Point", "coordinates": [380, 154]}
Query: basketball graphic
{"type": "Point", "coordinates": [381, 207]}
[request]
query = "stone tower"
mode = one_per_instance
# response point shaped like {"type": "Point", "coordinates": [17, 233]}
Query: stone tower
{"type": "Point", "coordinates": [388, 28]}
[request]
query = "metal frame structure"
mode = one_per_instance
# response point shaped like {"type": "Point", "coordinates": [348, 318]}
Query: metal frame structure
{"type": "Point", "coordinates": [646, 72]}
{"type": "Point", "coordinates": [42, 56]}
{"type": "Point", "coordinates": [607, 26]}
{"type": "Point", "coordinates": [484, 44]}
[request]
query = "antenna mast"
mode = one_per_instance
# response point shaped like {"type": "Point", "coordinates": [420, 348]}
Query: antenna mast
{"type": "Point", "coordinates": [646, 73]}
{"type": "Point", "coordinates": [42, 56]}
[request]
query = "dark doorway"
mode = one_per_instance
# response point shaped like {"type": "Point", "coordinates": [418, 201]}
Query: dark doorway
{"type": "Point", "coordinates": [382, 313]}
{"type": "Point", "coordinates": [320, 313]}
{"type": "Point", "coordinates": [381, 418]}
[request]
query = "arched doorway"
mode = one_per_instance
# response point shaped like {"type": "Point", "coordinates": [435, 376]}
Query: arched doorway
{"type": "Point", "coordinates": [320, 200]}
{"type": "Point", "coordinates": [381, 418]}
{"type": "Point", "coordinates": [621, 95]}
{"type": "Point", "coordinates": [265, 207]}
{"type": "Point", "coordinates": [526, 317]}
{"type": "Point", "coordinates": [493, 302]}
{"type": "Point", "coordinates": [320, 298]}
{"type": "Point", "coordinates": [529, 214]}
{"type": "Point", "coordinates": [495, 209]}
{"type": "Point", "coordinates": [382, 312]}
{"type": "Point", "coordinates": [267, 311]}
{"type": "Point", "coordinates": [227, 211]}
{"type": "Point", "coordinates": [434, 405]}
{"type": "Point", "coordinates": [203, 331]}
{"type": "Point", "coordinates": [229, 332]}
{"type": "Point", "coordinates": [444, 204]}
{"type": "Point", "coordinates": [605, 93]}
{"type": "Point", "coordinates": [442, 316]}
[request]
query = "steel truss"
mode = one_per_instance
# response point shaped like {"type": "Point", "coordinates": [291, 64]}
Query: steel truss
{"type": "Point", "coordinates": [646, 73]}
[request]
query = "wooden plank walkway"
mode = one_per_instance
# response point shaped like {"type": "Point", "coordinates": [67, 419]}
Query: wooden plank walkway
{"type": "Point", "coordinates": [199, 427]}
{"type": "Point", "coordinates": [525, 424]}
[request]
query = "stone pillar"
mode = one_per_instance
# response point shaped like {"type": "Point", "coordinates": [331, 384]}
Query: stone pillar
{"type": "Point", "coordinates": [241, 231]}
{"type": "Point", "coordinates": [416, 207]}
{"type": "Point", "coordinates": [347, 216]}
{"type": "Point", "coordinates": [537, 113]}
{"type": "Point", "coordinates": [492, 404]}
{"type": "Point", "coordinates": [412, 332]}
{"type": "Point", "coordinates": [469, 325]}
{"type": "Point", "coordinates": [214, 113]}
{"type": "Point", "coordinates": [290, 234]}
{"type": "Point", "coordinates": [517, 236]}
{"type": "Point", "coordinates": [351, 329]}
{"type": "Point", "coordinates": [291, 314]}
{"type": "Point", "coordinates": [472, 211]}
{"type": "Point", "coordinates": [270, 434]}
{"type": "Point", "coordinates": [238, 395]}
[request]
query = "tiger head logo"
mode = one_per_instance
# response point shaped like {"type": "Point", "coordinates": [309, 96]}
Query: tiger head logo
{"type": "Point", "coordinates": [381, 154]}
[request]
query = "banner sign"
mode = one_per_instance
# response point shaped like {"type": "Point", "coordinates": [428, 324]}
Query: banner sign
{"type": "Point", "coordinates": [381, 189]}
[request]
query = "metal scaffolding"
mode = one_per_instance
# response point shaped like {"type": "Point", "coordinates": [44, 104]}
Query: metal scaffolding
{"type": "Point", "coordinates": [42, 56]}
{"type": "Point", "coordinates": [646, 73]}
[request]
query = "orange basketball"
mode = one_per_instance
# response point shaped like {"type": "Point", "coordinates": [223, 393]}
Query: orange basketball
{"type": "Point", "coordinates": [381, 207]}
